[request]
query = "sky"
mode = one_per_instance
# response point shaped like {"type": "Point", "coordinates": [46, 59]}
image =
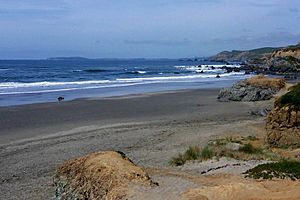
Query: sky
{"type": "Point", "coordinates": [143, 28]}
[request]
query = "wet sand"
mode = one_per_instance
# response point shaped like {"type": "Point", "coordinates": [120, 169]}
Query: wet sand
{"type": "Point", "coordinates": [149, 128]}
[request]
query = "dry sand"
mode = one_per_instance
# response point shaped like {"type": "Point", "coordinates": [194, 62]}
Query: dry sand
{"type": "Point", "coordinates": [149, 129]}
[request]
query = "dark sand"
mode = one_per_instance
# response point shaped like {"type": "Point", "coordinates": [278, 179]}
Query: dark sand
{"type": "Point", "coordinates": [149, 128]}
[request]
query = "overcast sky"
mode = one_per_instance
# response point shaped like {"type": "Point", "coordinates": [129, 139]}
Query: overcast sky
{"type": "Point", "coordinates": [143, 28]}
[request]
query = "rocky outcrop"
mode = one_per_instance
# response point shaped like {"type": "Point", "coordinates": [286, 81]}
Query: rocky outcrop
{"type": "Point", "coordinates": [283, 127]}
{"type": "Point", "coordinates": [282, 60]}
{"type": "Point", "coordinates": [283, 65]}
{"type": "Point", "coordinates": [290, 51]}
{"type": "Point", "coordinates": [254, 89]}
{"type": "Point", "coordinates": [243, 92]}
{"type": "Point", "coordinates": [102, 175]}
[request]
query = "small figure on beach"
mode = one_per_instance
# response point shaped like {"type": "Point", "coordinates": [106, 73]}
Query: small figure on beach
{"type": "Point", "coordinates": [60, 98]}
{"type": "Point", "coordinates": [218, 76]}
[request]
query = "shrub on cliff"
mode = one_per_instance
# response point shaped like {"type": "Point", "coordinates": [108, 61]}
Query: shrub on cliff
{"type": "Point", "coordinates": [292, 98]}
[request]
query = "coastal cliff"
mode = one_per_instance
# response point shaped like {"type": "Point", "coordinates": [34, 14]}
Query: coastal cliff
{"type": "Point", "coordinates": [256, 54]}
{"type": "Point", "coordinates": [241, 56]}
{"type": "Point", "coordinates": [293, 51]}
{"type": "Point", "coordinates": [283, 123]}
{"type": "Point", "coordinates": [280, 61]}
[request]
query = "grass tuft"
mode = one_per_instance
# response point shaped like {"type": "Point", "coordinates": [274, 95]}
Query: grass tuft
{"type": "Point", "coordinates": [249, 149]}
{"type": "Point", "coordinates": [178, 160]}
{"type": "Point", "coordinates": [252, 138]}
{"type": "Point", "coordinates": [218, 148]}
{"type": "Point", "coordinates": [207, 153]}
{"type": "Point", "coordinates": [192, 153]}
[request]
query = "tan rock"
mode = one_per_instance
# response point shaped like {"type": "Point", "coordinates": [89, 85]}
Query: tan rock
{"type": "Point", "coordinates": [267, 190]}
{"type": "Point", "coordinates": [283, 127]}
{"type": "Point", "coordinates": [102, 175]}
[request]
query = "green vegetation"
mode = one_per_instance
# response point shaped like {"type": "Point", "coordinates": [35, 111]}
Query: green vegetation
{"type": "Point", "coordinates": [291, 59]}
{"type": "Point", "coordinates": [292, 98]}
{"type": "Point", "coordinates": [293, 47]}
{"type": "Point", "coordinates": [192, 153]}
{"type": "Point", "coordinates": [244, 55]}
{"type": "Point", "coordinates": [282, 169]}
{"type": "Point", "coordinates": [207, 153]}
{"type": "Point", "coordinates": [265, 50]}
{"type": "Point", "coordinates": [249, 149]}
{"type": "Point", "coordinates": [252, 138]}
{"type": "Point", "coordinates": [232, 140]}
{"type": "Point", "coordinates": [178, 160]}
{"type": "Point", "coordinates": [228, 147]}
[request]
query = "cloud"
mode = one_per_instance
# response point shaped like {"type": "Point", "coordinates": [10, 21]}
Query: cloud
{"type": "Point", "coordinates": [294, 10]}
{"type": "Point", "coordinates": [145, 28]}
{"type": "Point", "coordinates": [281, 28]}
{"type": "Point", "coordinates": [263, 5]}
{"type": "Point", "coordinates": [158, 42]}
{"type": "Point", "coordinates": [246, 41]}
{"type": "Point", "coordinates": [180, 2]}
{"type": "Point", "coordinates": [33, 5]}
{"type": "Point", "coordinates": [13, 9]}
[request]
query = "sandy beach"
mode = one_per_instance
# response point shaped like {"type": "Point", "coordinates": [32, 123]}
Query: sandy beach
{"type": "Point", "coordinates": [149, 128]}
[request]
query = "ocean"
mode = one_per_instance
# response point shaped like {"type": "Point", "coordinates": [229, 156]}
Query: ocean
{"type": "Point", "coordinates": [37, 81]}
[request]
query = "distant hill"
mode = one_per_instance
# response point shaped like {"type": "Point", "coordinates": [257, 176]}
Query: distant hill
{"type": "Point", "coordinates": [240, 56]}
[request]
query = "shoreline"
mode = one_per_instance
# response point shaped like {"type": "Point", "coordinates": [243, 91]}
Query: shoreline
{"type": "Point", "coordinates": [142, 88]}
{"type": "Point", "coordinates": [125, 96]}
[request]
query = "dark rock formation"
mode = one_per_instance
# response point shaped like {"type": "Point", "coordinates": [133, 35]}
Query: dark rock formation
{"type": "Point", "coordinates": [254, 89]}
{"type": "Point", "coordinates": [284, 65]}
{"type": "Point", "coordinates": [262, 112]}
{"type": "Point", "coordinates": [245, 92]}
{"type": "Point", "coordinates": [280, 61]}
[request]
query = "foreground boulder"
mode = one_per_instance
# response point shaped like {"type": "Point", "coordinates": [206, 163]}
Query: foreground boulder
{"type": "Point", "coordinates": [283, 127]}
{"type": "Point", "coordinates": [283, 123]}
{"type": "Point", "coordinates": [102, 175]}
{"type": "Point", "coordinates": [257, 88]}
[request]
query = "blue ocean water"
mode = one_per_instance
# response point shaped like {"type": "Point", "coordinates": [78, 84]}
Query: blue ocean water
{"type": "Point", "coordinates": [33, 81]}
